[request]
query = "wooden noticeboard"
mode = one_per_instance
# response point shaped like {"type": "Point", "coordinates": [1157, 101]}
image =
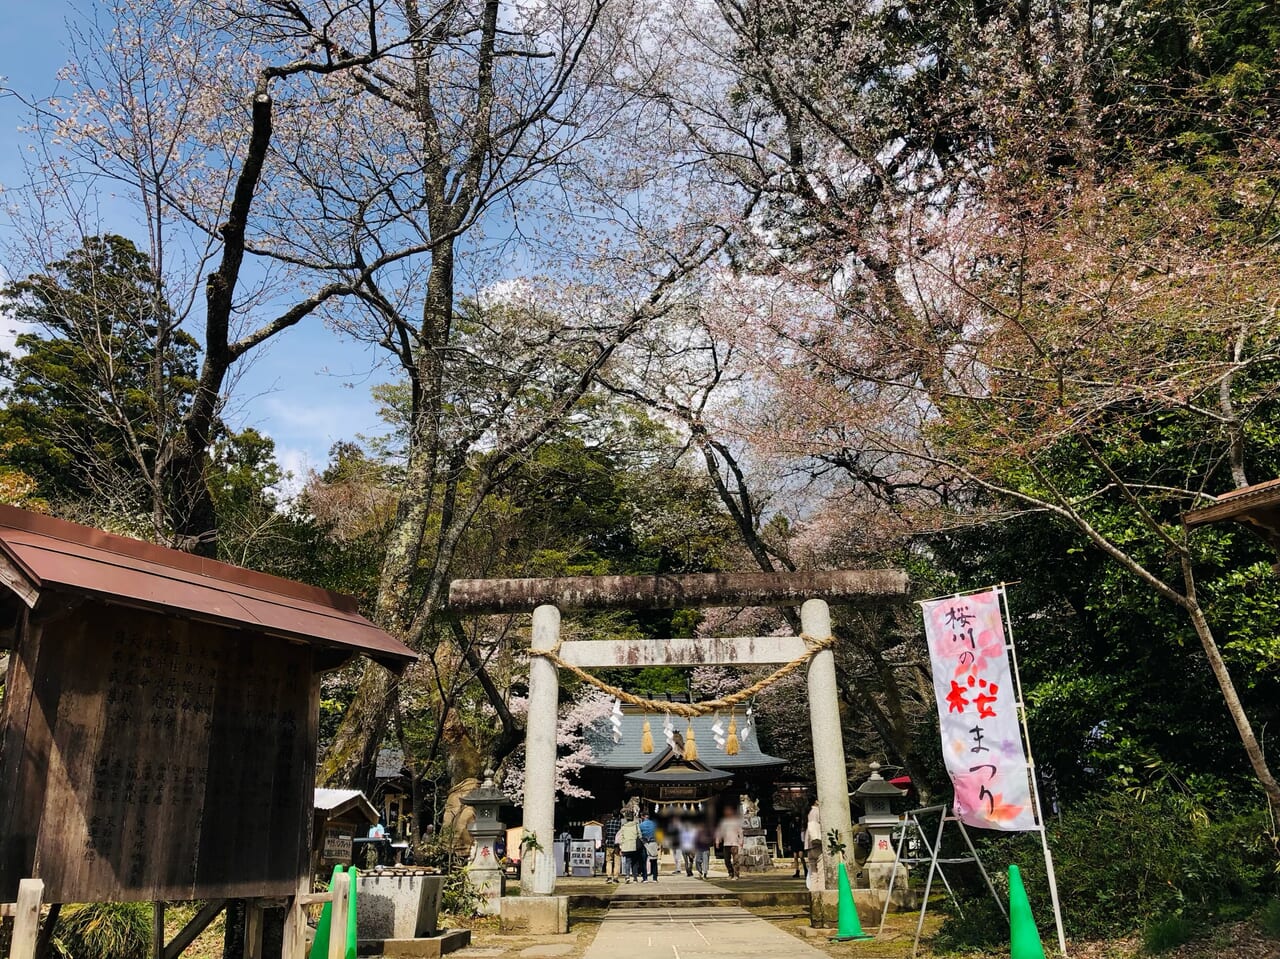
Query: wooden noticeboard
{"type": "Point", "coordinates": [153, 758]}
{"type": "Point", "coordinates": [337, 846]}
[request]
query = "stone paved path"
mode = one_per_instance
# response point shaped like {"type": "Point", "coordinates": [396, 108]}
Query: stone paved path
{"type": "Point", "coordinates": [695, 932]}
{"type": "Point", "coordinates": [707, 932]}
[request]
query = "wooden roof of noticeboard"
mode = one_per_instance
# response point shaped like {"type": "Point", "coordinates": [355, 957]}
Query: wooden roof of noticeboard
{"type": "Point", "coordinates": [337, 802]}
{"type": "Point", "coordinates": [39, 553]}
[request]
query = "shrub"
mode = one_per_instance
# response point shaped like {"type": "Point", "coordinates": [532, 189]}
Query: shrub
{"type": "Point", "coordinates": [1269, 919]}
{"type": "Point", "coordinates": [1124, 863]}
{"type": "Point", "coordinates": [460, 897]}
{"type": "Point", "coordinates": [1161, 935]}
{"type": "Point", "coordinates": [982, 926]}
{"type": "Point", "coordinates": [104, 930]}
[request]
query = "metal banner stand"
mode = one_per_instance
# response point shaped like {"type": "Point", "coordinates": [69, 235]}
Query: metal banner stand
{"type": "Point", "coordinates": [1031, 773]}
{"type": "Point", "coordinates": [912, 821]}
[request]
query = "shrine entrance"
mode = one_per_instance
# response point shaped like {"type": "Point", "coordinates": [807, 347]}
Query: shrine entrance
{"type": "Point", "coordinates": [811, 651]}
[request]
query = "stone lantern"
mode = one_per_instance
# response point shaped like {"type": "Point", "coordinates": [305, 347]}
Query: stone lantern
{"type": "Point", "coordinates": [877, 795]}
{"type": "Point", "coordinates": [485, 868]}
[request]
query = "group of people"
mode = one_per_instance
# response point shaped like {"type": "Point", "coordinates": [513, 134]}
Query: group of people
{"type": "Point", "coordinates": [632, 847]}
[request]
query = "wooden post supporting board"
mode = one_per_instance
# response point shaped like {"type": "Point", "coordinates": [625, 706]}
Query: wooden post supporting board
{"type": "Point", "coordinates": [157, 930]}
{"type": "Point", "coordinates": [295, 925]}
{"type": "Point", "coordinates": [26, 919]}
{"type": "Point", "coordinates": [338, 916]}
{"type": "Point", "coordinates": [198, 924]}
{"type": "Point", "coordinates": [253, 929]}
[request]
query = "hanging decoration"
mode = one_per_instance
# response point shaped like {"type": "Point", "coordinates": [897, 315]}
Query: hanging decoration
{"type": "Point", "coordinates": [690, 744]}
{"type": "Point", "coordinates": [669, 731]}
{"type": "Point", "coordinates": [731, 741]}
{"type": "Point", "coordinates": [717, 731]}
{"type": "Point", "coordinates": [749, 725]}
{"type": "Point", "coordinates": [646, 738]}
{"type": "Point", "coordinates": [615, 719]}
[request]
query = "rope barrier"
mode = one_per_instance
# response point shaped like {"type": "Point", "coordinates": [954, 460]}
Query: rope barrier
{"type": "Point", "coordinates": [690, 710]}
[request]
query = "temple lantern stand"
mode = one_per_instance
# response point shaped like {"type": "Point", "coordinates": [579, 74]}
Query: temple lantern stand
{"type": "Point", "coordinates": [485, 868]}
{"type": "Point", "coordinates": [877, 796]}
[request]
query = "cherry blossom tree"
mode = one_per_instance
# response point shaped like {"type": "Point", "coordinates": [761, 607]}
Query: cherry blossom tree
{"type": "Point", "coordinates": [574, 751]}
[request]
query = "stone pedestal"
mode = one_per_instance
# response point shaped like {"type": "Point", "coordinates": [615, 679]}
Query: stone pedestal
{"type": "Point", "coordinates": [535, 915]}
{"type": "Point", "coordinates": [398, 905]}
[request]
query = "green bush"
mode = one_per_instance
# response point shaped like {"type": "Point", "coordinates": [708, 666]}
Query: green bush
{"type": "Point", "coordinates": [982, 926]}
{"type": "Point", "coordinates": [1124, 863]}
{"type": "Point", "coordinates": [1161, 935]}
{"type": "Point", "coordinates": [460, 897]}
{"type": "Point", "coordinates": [104, 930]}
{"type": "Point", "coordinates": [1269, 919]}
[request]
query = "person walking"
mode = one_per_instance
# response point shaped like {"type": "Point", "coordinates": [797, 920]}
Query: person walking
{"type": "Point", "coordinates": [729, 838]}
{"type": "Point", "coordinates": [688, 845]}
{"type": "Point", "coordinates": [609, 839]}
{"type": "Point", "coordinates": [706, 839]}
{"type": "Point", "coordinates": [630, 847]}
{"type": "Point", "coordinates": [649, 845]}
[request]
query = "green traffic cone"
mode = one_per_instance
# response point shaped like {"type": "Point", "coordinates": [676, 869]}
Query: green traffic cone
{"type": "Point", "coordinates": [351, 916]}
{"type": "Point", "coordinates": [320, 945]}
{"type": "Point", "coordinates": [1024, 937]}
{"type": "Point", "coordinates": [847, 925]}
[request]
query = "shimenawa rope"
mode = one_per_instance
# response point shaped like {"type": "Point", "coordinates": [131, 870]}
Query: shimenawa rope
{"type": "Point", "coordinates": [690, 710]}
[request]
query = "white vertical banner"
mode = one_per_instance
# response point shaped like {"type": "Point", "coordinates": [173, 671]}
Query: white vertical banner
{"type": "Point", "coordinates": [977, 712]}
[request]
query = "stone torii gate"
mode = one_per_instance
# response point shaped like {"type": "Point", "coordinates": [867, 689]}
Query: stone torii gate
{"type": "Point", "coordinates": [546, 598]}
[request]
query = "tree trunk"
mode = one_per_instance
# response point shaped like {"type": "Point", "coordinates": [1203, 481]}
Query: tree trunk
{"type": "Point", "coordinates": [1257, 758]}
{"type": "Point", "coordinates": [351, 758]}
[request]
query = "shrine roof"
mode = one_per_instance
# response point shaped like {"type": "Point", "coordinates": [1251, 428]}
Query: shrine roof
{"type": "Point", "coordinates": [1258, 504]}
{"type": "Point", "coordinates": [627, 755]}
{"type": "Point", "coordinates": [43, 554]}
{"type": "Point", "coordinates": [666, 768]}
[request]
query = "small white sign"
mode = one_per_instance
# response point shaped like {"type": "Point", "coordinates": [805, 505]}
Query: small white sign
{"type": "Point", "coordinates": [582, 857]}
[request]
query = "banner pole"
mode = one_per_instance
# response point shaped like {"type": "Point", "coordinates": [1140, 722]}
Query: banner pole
{"type": "Point", "coordinates": [965, 592]}
{"type": "Point", "coordinates": [1031, 768]}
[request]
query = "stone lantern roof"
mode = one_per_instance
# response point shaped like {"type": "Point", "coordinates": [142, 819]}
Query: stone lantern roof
{"type": "Point", "coordinates": [877, 787]}
{"type": "Point", "coordinates": [486, 794]}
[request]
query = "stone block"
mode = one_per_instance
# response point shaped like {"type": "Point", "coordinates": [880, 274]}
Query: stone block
{"type": "Point", "coordinates": [823, 909]}
{"type": "Point", "coordinates": [430, 947]}
{"type": "Point", "coordinates": [396, 905]}
{"type": "Point", "coordinates": [535, 915]}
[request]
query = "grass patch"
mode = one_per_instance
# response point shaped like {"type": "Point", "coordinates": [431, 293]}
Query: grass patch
{"type": "Point", "coordinates": [1161, 935]}
{"type": "Point", "coordinates": [1269, 919]}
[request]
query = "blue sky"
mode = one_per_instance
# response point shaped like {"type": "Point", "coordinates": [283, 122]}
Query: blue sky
{"type": "Point", "coordinates": [309, 387]}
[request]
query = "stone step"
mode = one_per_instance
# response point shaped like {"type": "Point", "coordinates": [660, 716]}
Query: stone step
{"type": "Point", "coordinates": [670, 902]}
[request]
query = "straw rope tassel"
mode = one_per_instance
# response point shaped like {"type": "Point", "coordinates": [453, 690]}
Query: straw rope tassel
{"type": "Point", "coordinates": [731, 741]}
{"type": "Point", "coordinates": [690, 744]}
{"type": "Point", "coordinates": [646, 738]}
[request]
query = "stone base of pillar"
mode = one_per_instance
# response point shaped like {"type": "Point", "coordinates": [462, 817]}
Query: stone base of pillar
{"type": "Point", "coordinates": [534, 915]}
{"type": "Point", "coordinates": [824, 907]}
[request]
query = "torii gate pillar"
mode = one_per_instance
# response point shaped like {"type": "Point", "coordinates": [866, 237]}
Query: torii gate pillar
{"type": "Point", "coordinates": [537, 865]}
{"type": "Point", "coordinates": [828, 744]}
